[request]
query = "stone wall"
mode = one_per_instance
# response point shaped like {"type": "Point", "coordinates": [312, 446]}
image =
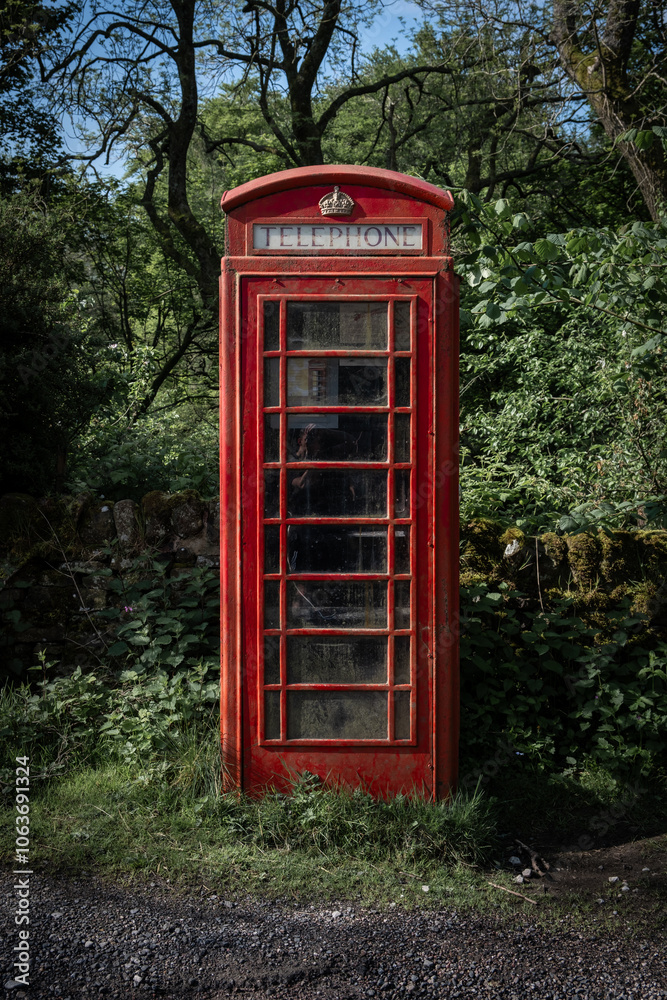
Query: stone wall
{"type": "Point", "coordinates": [59, 557]}
{"type": "Point", "coordinates": [598, 571]}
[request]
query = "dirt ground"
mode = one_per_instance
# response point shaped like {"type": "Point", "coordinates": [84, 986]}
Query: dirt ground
{"type": "Point", "coordinates": [631, 875]}
{"type": "Point", "coordinates": [604, 940]}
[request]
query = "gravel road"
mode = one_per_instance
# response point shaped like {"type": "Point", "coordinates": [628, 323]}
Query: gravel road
{"type": "Point", "coordinates": [89, 939]}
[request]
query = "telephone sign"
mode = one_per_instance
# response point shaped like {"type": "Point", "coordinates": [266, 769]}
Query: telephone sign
{"type": "Point", "coordinates": [339, 482]}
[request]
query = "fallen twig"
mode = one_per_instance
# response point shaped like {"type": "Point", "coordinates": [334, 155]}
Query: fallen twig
{"type": "Point", "coordinates": [513, 893]}
{"type": "Point", "coordinates": [535, 859]}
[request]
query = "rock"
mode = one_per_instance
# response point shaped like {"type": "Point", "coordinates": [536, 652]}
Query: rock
{"type": "Point", "coordinates": [184, 557]}
{"type": "Point", "coordinates": [519, 879]}
{"type": "Point", "coordinates": [336, 914]}
{"type": "Point", "coordinates": [613, 878]}
{"type": "Point", "coordinates": [126, 515]}
{"type": "Point", "coordinates": [156, 511]}
{"type": "Point", "coordinates": [527, 873]}
{"type": "Point", "coordinates": [187, 517]}
{"type": "Point", "coordinates": [97, 525]}
{"type": "Point", "coordinates": [425, 888]}
{"type": "Point", "coordinates": [514, 860]}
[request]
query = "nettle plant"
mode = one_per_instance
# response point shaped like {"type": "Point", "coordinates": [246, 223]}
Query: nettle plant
{"type": "Point", "coordinates": [163, 621]}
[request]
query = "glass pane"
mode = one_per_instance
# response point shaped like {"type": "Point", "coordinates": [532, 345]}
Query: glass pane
{"type": "Point", "coordinates": [402, 604]}
{"type": "Point", "coordinates": [272, 548]}
{"type": "Point", "coordinates": [336, 715]}
{"type": "Point", "coordinates": [333, 604]}
{"type": "Point", "coordinates": [337, 660]}
{"type": "Point", "coordinates": [402, 381]}
{"type": "Point", "coordinates": [272, 659]}
{"type": "Point", "coordinates": [272, 493]}
{"type": "Point", "coordinates": [354, 548]}
{"type": "Point", "coordinates": [402, 503]}
{"type": "Point", "coordinates": [272, 715]}
{"type": "Point", "coordinates": [271, 604]}
{"type": "Point", "coordinates": [272, 382]}
{"type": "Point", "coordinates": [401, 715]}
{"type": "Point", "coordinates": [336, 493]}
{"type": "Point", "coordinates": [336, 381]}
{"type": "Point", "coordinates": [272, 437]}
{"type": "Point", "coordinates": [336, 324]}
{"type": "Point", "coordinates": [337, 437]}
{"type": "Point", "coordinates": [402, 326]}
{"type": "Point", "coordinates": [401, 549]}
{"type": "Point", "coordinates": [402, 437]}
{"type": "Point", "coordinates": [271, 326]}
{"type": "Point", "coordinates": [402, 659]}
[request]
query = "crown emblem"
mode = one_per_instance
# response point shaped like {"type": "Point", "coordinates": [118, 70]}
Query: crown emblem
{"type": "Point", "coordinates": [336, 203]}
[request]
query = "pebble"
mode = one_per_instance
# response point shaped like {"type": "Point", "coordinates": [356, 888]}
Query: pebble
{"type": "Point", "coordinates": [514, 860]}
{"type": "Point", "coordinates": [613, 878]}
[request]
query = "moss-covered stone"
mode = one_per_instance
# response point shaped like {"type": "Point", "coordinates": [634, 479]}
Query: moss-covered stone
{"type": "Point", "coordinates": [483, 550]}
{"type": "Point", "coordinates": [157, 516]}
{"type": "Point", "coordinates": [129, 528]}
{"type": "Point", "coordinates": [652, 554]}
{"type": "Point", "coordinates": [187, 516]}
{"type": "Point", "coordinates": [584, 557]}
{"type": "Point", "coordinates": [620, 562]}
{"type": "Point", "coordinates": [159, 508]}
{"type": "Point", "coordinates": [19, 516]}
{"type": "Point", "coordinates": [96, 526]}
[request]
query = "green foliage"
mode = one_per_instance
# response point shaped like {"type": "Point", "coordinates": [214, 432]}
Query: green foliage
{"type": "Point", "coordinates": [562, 691]}
{"type": "Point", "coordinates": [564, 385]}
{"type": "Point", "coordinates": [90, 718]}
{"type": "Point", "coordinates": [166, 622]}
{"type": "Point", "coordinates": [167, 449]}
{"type": "Point", "coordinates": [51, 375]}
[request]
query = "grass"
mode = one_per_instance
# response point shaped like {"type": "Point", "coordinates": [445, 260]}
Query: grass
{"type": "Point", "coordinates": [168, 819]}
{"type": "Point", "coordinates": [139, 797]}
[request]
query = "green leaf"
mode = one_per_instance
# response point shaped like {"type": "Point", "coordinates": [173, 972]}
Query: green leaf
{"type": "Point", "coordinates": [118, 648]}
{"type": "Point", "coordinates": [546, 250]}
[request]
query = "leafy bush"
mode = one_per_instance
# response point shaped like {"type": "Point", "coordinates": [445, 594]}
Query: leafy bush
{"type": "Point", "coordinates": [164, 621]}
{"type": "Point", "coordinates": [85, 718]}
{"type": "Point", "coordinates": [557, 688]}
{"type": "Point", "coordinates": [173, 449]}
{"type": "Point", "coordinates": [564, 388]}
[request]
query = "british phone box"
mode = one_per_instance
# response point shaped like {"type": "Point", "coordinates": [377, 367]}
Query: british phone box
{"type": "Point", "coordinates": [339, 482]}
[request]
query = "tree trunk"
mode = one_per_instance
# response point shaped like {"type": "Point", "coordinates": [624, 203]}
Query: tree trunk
{"type": "Point", "coordinates": [602, 76]}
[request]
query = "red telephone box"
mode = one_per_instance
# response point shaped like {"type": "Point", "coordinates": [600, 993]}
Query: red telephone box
{"type": "Point", "coordinates": [339, 482]}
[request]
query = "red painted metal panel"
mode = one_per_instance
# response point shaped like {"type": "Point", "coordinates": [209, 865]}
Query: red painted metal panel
{"type": "Point", "coordinates": [278, 607]}
{"type": "Point", "coordinates": [328, 174]}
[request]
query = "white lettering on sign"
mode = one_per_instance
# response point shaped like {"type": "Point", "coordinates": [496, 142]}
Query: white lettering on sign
{"type": "Point", "coordinates": [394, 236]}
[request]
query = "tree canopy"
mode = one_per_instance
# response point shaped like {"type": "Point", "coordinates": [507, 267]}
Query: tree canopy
{"type": "Point", "coordinates": [547, 121]}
